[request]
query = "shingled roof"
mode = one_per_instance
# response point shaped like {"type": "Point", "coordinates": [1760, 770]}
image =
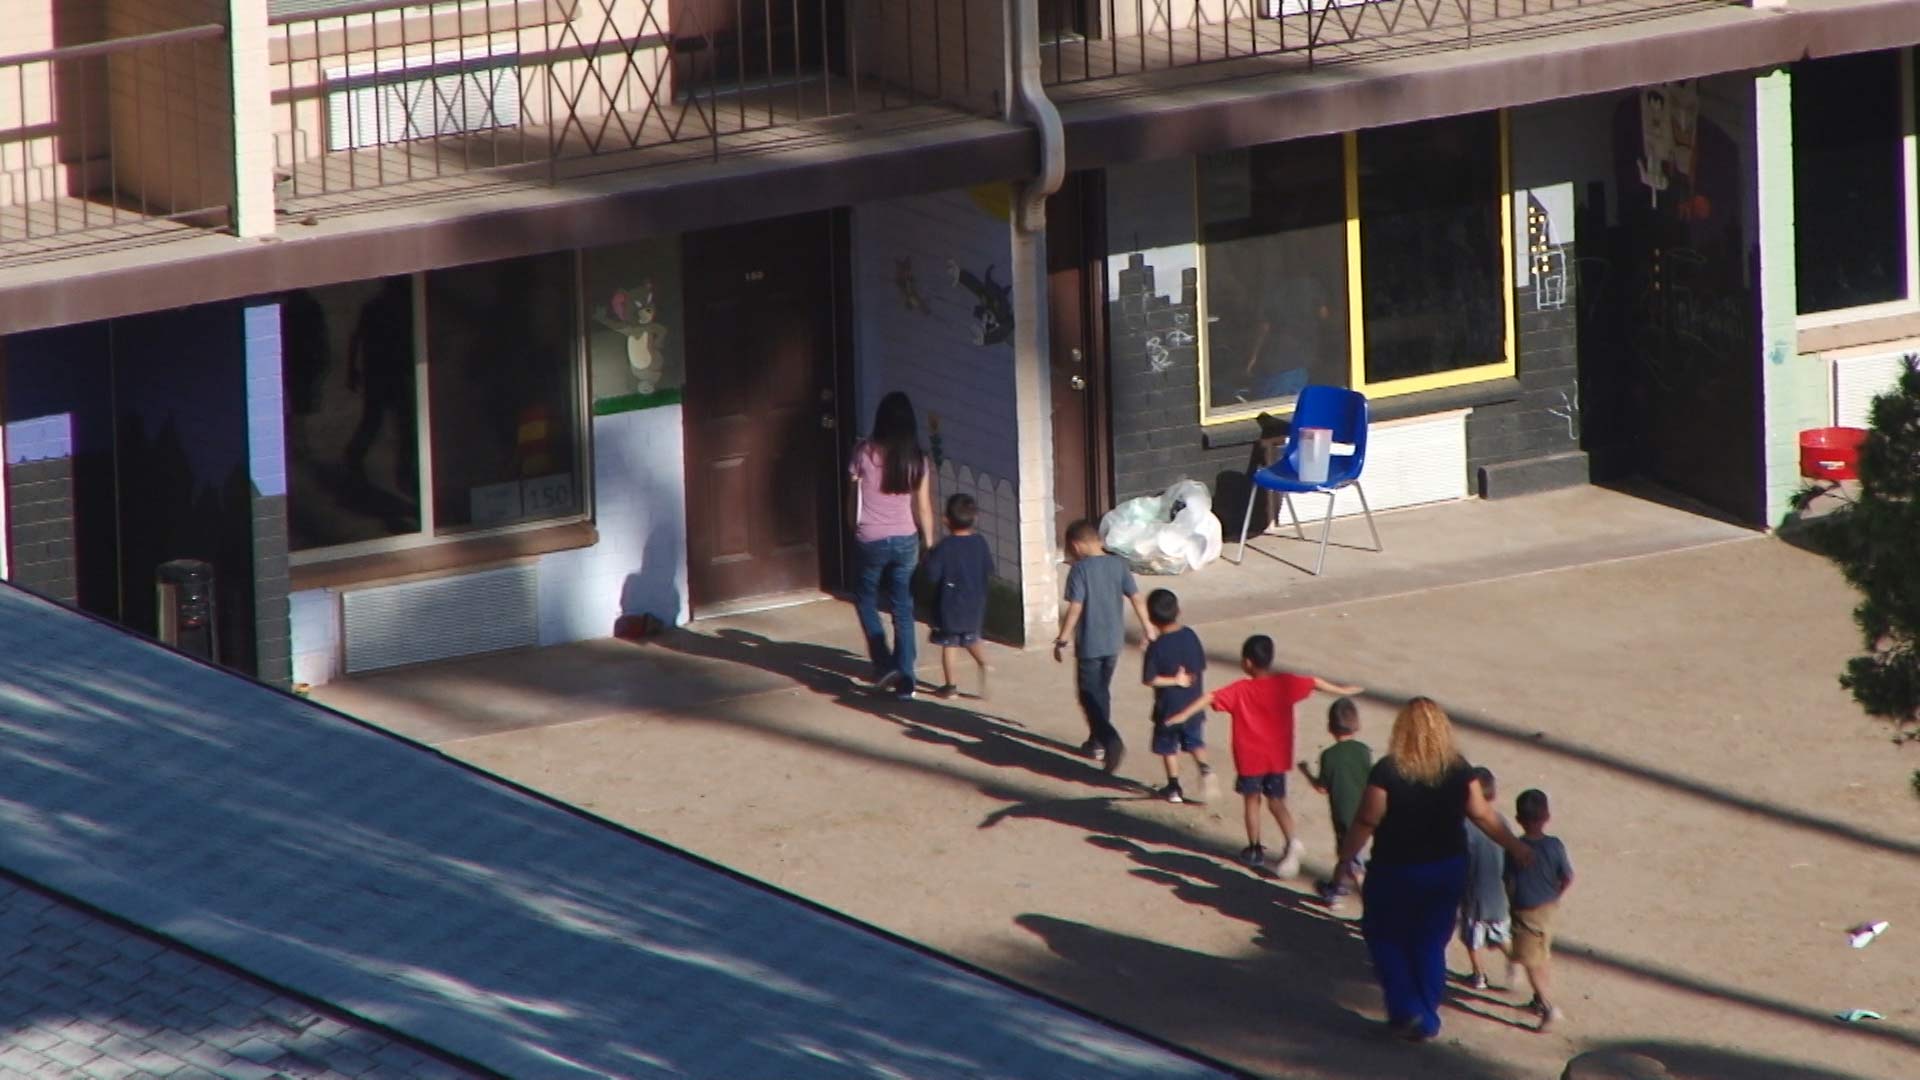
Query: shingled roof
{"type": "Point", "coordinates": [455, 912]}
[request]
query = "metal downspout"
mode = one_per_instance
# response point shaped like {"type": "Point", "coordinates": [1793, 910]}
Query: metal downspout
{"type": "Point", "coordinates": [1032, 377]}
{"type": "Point", "coordinates": [1031, 104]}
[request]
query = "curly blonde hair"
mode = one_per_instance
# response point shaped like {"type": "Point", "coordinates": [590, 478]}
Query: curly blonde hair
{"type": "Point", "coordinates": [1422, 742]}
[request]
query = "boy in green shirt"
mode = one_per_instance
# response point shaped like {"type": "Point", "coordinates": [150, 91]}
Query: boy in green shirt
{"type": "Point", "coordinates": [1342, 778]}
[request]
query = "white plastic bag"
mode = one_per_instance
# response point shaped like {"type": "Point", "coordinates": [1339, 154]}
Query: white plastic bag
{"type": "Point", "coordinates": [1169, 533]}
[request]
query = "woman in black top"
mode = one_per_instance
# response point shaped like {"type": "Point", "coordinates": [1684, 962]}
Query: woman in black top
{"type": "Point", "coordinates": [1416, 801]}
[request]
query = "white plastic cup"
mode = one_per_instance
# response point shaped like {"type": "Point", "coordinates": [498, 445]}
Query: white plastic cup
{"type": "Point", "coordinates": [1315, 454]}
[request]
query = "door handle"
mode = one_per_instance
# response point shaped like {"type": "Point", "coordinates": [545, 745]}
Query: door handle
{"type": "Point", "coordinates": [1077, 383]}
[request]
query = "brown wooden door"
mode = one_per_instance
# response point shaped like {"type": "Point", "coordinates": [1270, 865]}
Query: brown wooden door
{"type": "Point", "coordinates": [1074, 325]}
{"type": "Point", "coordinates": [758, 407]}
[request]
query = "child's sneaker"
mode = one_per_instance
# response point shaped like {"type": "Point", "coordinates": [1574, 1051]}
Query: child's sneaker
{"type": "Point", "coordinates": [1094, 750]}
{"type": "Point", "coordinates": [1209, 786]}
{"type": "Point", "coordinates": [1290, 861]}
{"type": "Point", "coordinates": [1253, 855]}
{"type": "Point", "coordinates": [1478, 982]}
{"type": "Point", "coordinates": [1548, 1015]}
{"type": "Point", "coordinates": [1171, 792]}
{"type": "Point", "coordinates": [946, 692]}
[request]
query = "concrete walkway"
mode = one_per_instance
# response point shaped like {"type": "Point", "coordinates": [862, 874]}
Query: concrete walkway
{"type": "Point", "coordinates": [1729, 810]}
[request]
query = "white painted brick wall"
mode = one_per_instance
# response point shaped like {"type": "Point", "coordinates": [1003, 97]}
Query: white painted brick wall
{"type": "Point", "coordinates": [640, 564]}
{"type": "Point", "coordinates": [931, 354]}
{"type": "Point", "coordinates": [313, 616]}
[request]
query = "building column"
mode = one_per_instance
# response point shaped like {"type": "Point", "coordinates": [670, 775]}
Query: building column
{"type": "Point", "coordinates": [1033, 432]}
{"type": "Point", "coordinates": [249, 70]}
{"type": "Point", "coordinates": [1793, 387]}
{"type": "Point", "coordinates": [267, 471]}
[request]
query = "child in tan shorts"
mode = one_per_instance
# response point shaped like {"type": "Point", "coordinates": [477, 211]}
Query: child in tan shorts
{"type": "Point", "coordinates": [1535, 892]}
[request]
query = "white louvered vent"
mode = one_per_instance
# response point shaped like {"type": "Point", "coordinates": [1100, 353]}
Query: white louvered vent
{"type": "Point", "coordinates": [398, 100]}
{"type": "Point", "coordinates": [1408, 463]}
{"type": "Point", "coordinates": [1857, 381]}
{"type": "Point", "coordinates": [441, 618]}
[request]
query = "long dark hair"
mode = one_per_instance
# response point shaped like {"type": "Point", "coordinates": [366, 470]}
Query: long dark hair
{"type": "Point", "coordinates": [896, 438]}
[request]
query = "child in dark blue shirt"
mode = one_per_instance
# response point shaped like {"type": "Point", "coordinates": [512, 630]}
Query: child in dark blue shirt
{"type": "Point", "coordinates": [1175, 663]}
{"type": "Point", "coordinates": [958, 569]}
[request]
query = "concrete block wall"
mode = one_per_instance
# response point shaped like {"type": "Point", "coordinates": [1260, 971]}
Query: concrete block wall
{"type": "Point", "coordinates": [1157, 435]}
{"type": "Point", "coordinates": [267, 470]}
{"type": "Point", "coordinates": [39, 494]}
{"type": "Point", "coordinates": [639, 565]}
{"type": "Point", "coordinates": [1543, 420]}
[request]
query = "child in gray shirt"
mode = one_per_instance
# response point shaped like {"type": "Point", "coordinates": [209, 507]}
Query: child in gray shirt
{"type": "Point", "coordinates": [1484, 924]}
{"type": "Point", "coordinates": [1100, 588]}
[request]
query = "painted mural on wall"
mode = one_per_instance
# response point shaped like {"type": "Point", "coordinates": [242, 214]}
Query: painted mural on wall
{"type": "Point", "coordinates": [992, 304]}
{"type": "Point", "coordinates": [933, 318]}
{"type": "Point", "coordinates": [908, 286]}
{"type": "Point", "coordinates": [633, 305]}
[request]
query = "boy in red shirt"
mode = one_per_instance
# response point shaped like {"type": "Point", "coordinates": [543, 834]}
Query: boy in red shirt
{"type": "Point", "coordinates": [1261, 706]}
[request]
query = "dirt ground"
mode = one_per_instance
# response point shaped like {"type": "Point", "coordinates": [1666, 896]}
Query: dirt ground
{"type": "Point", "coordinates": [1728, 809]}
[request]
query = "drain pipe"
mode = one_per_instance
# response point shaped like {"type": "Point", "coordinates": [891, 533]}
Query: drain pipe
{"type": "Point", "coordinates": [1031, 104]}
{"type": "Point", "coordinates": [1032, 355]}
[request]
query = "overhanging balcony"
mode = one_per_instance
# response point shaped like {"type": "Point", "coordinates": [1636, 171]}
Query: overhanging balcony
{"type": "Point", "coordinates": [389, 100]}
{"type": "Point", "coordinates": [1094, 47]}
{"type": "Point", "coordinates": [123, 140]}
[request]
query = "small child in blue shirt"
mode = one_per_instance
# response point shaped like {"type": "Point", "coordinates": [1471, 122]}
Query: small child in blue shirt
{"type": "Point", "coordinates": [958, 569]}
{"type": "Point", "coordinates": [1175, 665]}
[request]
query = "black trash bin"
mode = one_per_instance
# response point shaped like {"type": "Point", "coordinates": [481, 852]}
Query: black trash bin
{"type": "Point", "coordinates": [186, 610]}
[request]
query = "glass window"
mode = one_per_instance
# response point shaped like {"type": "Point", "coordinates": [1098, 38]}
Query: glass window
{"type": "Point", "coordinates": [1273, 233]}
{"type": "Point", "coordinates": [353, 470]}
{"type": "Point", "coordinates": [502, 388]}
{"type": "Point", "coordinates": [1849, 182]}
{"type": "Point", "coordinates": [1431, 253]}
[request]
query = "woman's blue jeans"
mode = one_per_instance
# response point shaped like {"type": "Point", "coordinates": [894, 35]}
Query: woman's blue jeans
{"type": "Point", "coordinates": [888, 564]}
{"type": "Point", "coordinates": [1409, 917]}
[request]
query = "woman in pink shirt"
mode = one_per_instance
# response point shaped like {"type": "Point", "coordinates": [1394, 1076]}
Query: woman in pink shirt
{"type": "Point", "coordinates": [890, 491]}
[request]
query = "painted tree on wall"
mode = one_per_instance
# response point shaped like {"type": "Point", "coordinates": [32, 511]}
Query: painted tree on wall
{"type": "Point", "coordinates": [1875, 540]}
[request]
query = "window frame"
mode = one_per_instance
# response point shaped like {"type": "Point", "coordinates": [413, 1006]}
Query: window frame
{"type": "Point", "coordinates": [1910, 194]}
{"type": "Point", "coordinates": [428, 536]}
{"type": "Point", "coordinates": [1504, 367]}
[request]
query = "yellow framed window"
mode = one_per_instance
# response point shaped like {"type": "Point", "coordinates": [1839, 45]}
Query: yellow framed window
{"type": "Point", "coordinates": [1380, 260]}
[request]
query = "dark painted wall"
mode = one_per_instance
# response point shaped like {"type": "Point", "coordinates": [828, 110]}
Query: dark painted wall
{"type": "Point", "coordinates": [160, 457]}
{"type": "Point", "coordinates": [1157, 438]}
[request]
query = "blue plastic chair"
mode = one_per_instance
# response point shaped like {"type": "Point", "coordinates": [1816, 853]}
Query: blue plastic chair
{"type": "Point", "coordinates": [1344, 412]}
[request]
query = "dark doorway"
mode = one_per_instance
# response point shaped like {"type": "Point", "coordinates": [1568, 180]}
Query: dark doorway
{"type": "Point", "coordinates": [1076, 286]}
{"type": "Point", "coordinates": [760, 411]}
{"type": "Point", "coordinates": [1669, 329]}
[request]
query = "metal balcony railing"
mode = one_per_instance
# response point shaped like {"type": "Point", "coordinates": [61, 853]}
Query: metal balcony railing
{"type": "Point", "coordinates": [114, 140]}
{"type": "Point", "coordinates": [1087, 40]}
{"type": "Point", "coordinates": [388, 92]}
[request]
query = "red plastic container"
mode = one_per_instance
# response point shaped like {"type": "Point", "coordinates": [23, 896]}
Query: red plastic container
{"type": "Point", "coordinates": [1831, 453]}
